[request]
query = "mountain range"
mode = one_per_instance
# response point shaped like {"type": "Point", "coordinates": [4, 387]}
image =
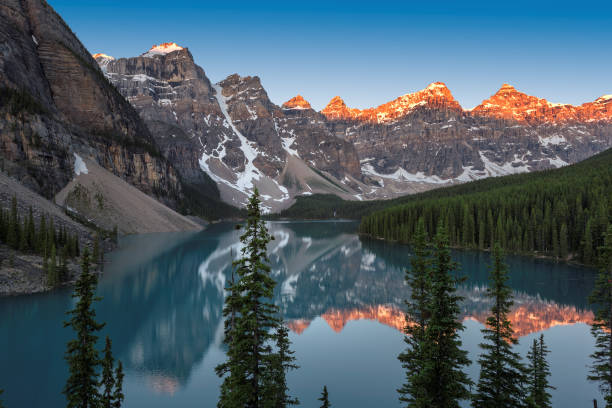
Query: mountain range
{"type": "Point", "coordinates": [157, 122]}
{"type": "Point", "coordinates": [233, 132]}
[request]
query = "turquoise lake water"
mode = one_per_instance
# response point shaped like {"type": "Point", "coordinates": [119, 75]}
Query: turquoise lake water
{"type": "Point", "coordinates": [341, 296]}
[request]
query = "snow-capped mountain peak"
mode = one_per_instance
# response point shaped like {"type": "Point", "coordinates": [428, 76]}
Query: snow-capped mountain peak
{"type": "Point", "coordinates": [162, 49]}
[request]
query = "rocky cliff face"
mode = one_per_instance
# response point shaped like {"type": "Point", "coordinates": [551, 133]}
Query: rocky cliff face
{"type": "Point", "coordinates": [56, 101]}
{"type": "Point", "coordinates": [231, 131]}
{"type": "Point", "coordinates": [235, 134]}
{"type": "Point", "coordinates": [425, 139]}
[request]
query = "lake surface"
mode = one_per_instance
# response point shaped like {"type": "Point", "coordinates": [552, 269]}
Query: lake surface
{"type": "Point", "coordinates": [341, 295]}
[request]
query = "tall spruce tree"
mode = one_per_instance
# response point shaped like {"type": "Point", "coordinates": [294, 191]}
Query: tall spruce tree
{"type": "Point", "coordinates": [250, 331]}
{"type": "Point", "coordinates": [108, 379]}
{"type": "Point", "coordinates": [282, 361]}
{"type": "Point", "coordinates": [325, 398]}
{"type": "Point", "coordinates": [413, 391]}
{"type": "Point", "coordinates": [538, 372]}
{"type": "Point", "coordinates": [81, 388]}
{"type": "Point", "coordinates": [502, 376]}
{"type": "Point", "coordinates": [118, 393]}
{"type": "Point", "coordinates": [601, 297]}
{"type": "Point", "coordinates": [445, 382]}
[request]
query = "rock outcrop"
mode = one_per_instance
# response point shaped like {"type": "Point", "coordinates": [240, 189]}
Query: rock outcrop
{"type": "Point", "coordinates": [56, 101]}
{"type": "Point", "coordinates": [231, 132]}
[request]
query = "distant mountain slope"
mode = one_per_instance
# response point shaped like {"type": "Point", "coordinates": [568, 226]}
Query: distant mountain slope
{"type": "Point", "coordinates": [594, 169]}
{"type": "Point", "coordinates": [231, 131]}
{"type": "Point", "coordinates": [561, 213]}
{"type": "Point", "coordinates": [426, 137]}
{"type": "Point", "coordinates": [418, 141]}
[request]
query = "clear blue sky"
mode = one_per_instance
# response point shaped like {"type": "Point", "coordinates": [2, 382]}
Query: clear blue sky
{"type": "Point", "coordinates": [369, 52]}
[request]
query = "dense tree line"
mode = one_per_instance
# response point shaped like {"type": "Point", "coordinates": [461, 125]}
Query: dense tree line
{"type": "Point", "coordinates": [434, 361]}
{"type": "Point", "coordinates": [56, 245]}
{"type": "Point", "coordinates": [561, 213]}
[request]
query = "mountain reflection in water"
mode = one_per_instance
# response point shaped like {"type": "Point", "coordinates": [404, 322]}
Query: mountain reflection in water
{"type": "Point", "coordinates": [321, 272]}
{"type": "Point", "coordinates": [163, 298]}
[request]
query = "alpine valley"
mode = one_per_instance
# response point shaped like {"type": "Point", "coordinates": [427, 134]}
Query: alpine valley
{"type": "Point", "coordinates": [157, 122]}
{"type": "Point", "coordinates": [233, 132]}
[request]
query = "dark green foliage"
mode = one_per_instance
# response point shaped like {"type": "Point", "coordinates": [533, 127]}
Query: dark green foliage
{"type": "Point", "coordinates": [1, 404]}
{"type": "Point", "coordinates": [53, 277]}
{"type": "Point", "coordinates": [253, 374]}
{"type": "Point", "coordinates": [502, 376]}
{"type": "Point", "coordinates": [601, 297]}
{"type": "Point", "coordinates": [96, 249]}
{"type": "Point", "coordinates": [413, 359]}
{"type": "Point", "coordinates": [108, 379]}
{"type": "Point", "coordinates": [520, 212]}
{"type": "Point", "coordinates": [282, 361]}
{"type": "Point", "coordinates": [20, 232]}
{"type": "Point", "coordinates": [324, 398]}
{"type": "Point", "coordinates": [445, 382]}
{"type": "Point", "coordinates": [19, 101]}
{"type": "Point", "coordinates": [81, 388]}
{"type": "Point", "coordinates": [112, 379]}
{"type": "Point", "coordinates": [538, 372]}
{"type": "Point", "coordinates": [571, 182]}
{"type": "Point", "coordinates": [118, 396]}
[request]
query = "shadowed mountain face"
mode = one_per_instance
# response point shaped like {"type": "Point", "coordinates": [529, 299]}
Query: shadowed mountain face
{"type": "Point", "coordinates": [55, 101]}
{"type": "Point", "coordinates": [231, 131]}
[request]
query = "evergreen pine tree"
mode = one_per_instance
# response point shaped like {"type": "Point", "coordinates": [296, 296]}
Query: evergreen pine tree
{"type": "Point", "coordinates": [42, 235]}
{"type": "Point", "coordinates": [250, 332]}
{"type": "Point", "coordinates": [282, 361]}
{"type": "Point", "coordinates": [1, 404]}
{"type": "Point", "coordinates": [31, 230]}
{"type": "Point", "coordinates": [413, 392]}
{"type": "Point", "coordinates": [52, 273]}
{"type": "Point", "coordinates": [538, 373]}
{"type": "Point", "coordinates": [445, 382]}
{"type": "Point", "coordinates": [108, 380]}
{"type": "Point", "coordinates": [587, 244]}
{"type": "Point", "coordinates": [96, 249]}
{"type": "Point", "coordinates": [63, 268]}
{"type": "Point", "coordinates": [118, 394]}
{"type": "Point", "coordinates": [601, 369]}
{"type": "Point", "coordinates": [81, 388]}
{"type": "Point", "coordinates": [324, 398]}
{"type": "Point", "coordinates": [501, 372]}
{"type": "Point", "coordinates": [12, 237]}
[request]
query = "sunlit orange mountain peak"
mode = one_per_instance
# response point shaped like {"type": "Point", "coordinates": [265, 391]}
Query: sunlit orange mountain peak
{"type": "Point", "coordinates": [163, 49]}
{"type": "Point", "coordinates": [297, 102]}
{"type": "Point", "coordinates": [102, 55]}
{"type": "Point", "coordinates": [298, 326]}
{"type": "Point", "coordinates": [527, 317]}
{"type": "Point", "coordinates": [508, 103]}
{"type": "Point", "coordinates": [388, 315]}
{"type": "Point", "coordinates": [435, 95]}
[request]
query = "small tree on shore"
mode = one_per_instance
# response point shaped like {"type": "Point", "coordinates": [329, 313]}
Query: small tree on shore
{"type": "Point", "coordinates": [81, 388]}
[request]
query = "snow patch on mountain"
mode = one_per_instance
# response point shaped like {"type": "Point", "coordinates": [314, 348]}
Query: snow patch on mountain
{"type": "Point", "coordinates": [79, 165]}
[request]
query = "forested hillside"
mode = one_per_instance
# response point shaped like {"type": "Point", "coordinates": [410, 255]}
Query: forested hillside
{"type": "Point", "coordinates": [561, 213]}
